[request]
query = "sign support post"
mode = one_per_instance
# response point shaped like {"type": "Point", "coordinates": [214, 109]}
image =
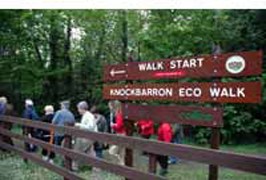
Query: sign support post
{"type": "Point", "coordinates": [215, 144]}
{"type": "Point", "coordinates": [129, 131]}
{"type": "Point", "coordinates": [215, 131]}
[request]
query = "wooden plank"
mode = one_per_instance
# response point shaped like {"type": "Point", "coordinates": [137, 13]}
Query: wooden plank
{"type": "Point", "coordinates": [96, 162]}
{"type": "Point", "coordinates": [33, 157]}
{"type": "Point", "coordinates": [230, 92]}
{"type": "Point", "coordinates": [222, 65]}
{"type": "Point", "coordinates": [189, 115]}
{"type": "Point", "coordinates": [248, 163]}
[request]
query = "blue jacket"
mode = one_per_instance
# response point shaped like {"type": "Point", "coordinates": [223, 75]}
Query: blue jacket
{"type": "Point", "coordinates": [63, 117]}
{"type": "Point", "coordinates": [30, 113]}
{"type": "Point", "coordinates": [2, 108]}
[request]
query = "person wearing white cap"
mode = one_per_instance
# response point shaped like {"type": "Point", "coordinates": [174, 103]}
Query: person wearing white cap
{"type": "Point", "coordinates": [29, 102]}
{"type": "Point", "coordinates": [30, 113]}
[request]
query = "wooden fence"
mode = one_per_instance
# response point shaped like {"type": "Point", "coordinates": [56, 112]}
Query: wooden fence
{"type": "Point", "coordinates": [248, 163]}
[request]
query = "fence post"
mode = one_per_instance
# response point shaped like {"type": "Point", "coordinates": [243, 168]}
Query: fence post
{"type": "Point", "coordinates": [67, 160]}
{"type": "Point", "coordinates": [215, 142]}
{"type": "Point", "coordinates": [68, 144]}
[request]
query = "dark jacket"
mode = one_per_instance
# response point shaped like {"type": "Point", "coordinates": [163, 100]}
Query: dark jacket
{"type": "Point", "coordinates": [102, 126]}
{"type": "Point", "coordinates": [101, 123]}
{"type": "Point", "coordinates": [30, 113]}
{"type": "Point", "coordinates": [2, 108]}
{"type": "Point", "coordinates": [46, 119]}
{"type": "Point", "coordinates": [110, 120]}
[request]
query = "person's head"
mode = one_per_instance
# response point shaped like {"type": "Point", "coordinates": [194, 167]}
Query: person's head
{"type": "Point", "coordinates": [3, 100]}
{"type": "Point", "coordinates": [28, 103]}
{"type": "Point", "coordinates": [111, 105]}
{"type": "Point", "coordinates": [94, 109]}
{"type": "Point", "coordinates": [117, 106]}
{"type": "Point", "coordinates": [49, 109]}
{"type": "Point", "coordinates": [82, 107]}
{"type": "Point", "coordinates": [65, 104]}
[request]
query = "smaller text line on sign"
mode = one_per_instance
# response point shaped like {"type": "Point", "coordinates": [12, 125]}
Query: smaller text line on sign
{"type": "Point", "coordinates": [189, 115]}
{"type": "Point", "coordinates": [222, 65]}
{"type": "Point", "coordinates": [231, 92]}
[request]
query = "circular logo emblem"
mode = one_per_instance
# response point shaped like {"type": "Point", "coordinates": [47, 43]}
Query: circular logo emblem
{"type": "Point", "coordinates": [235, 64]}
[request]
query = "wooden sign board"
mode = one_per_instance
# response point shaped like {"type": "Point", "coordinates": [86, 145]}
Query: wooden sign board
{"type": "Point", "coordinates": [222, 65]}
{"type": "Point", "coordinates": [189, 115]}
{"type": "Point", "coordinates": [231, 92]}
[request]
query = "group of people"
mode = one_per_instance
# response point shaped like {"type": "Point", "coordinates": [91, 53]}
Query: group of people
{"type": "Point", "coordinates": [91, 120]}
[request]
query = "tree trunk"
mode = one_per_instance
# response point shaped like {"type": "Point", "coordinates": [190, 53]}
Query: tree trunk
{"type": "Point", "coordinates": [67, 60]}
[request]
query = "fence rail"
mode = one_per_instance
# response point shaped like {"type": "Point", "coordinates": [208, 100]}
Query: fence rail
{"type": "Point", "coordinates": [38, 160]}
{"type": "Point", "coordinates": [82, 157]}
{"type": "Point", "coordinates": [248, 163]}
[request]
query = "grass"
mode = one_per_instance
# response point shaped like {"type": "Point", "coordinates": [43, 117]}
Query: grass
{"type": "Point", "coordinates": [255, 148]}
{"type": "Point", "coordinates": [195, 171]}
{"type": "Point", "coordinates": [12, 167]}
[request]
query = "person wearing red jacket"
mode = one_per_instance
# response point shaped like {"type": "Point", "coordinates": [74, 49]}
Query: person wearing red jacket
{"type": "Point", "coordinates": [145, 128]}
{"type": "Point", "coordinates": [120, 129]}
{"type": "Point", "coordinates": [165, 134]}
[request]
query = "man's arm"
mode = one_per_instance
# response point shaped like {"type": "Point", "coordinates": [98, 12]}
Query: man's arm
{"type": "Point", "coordinates": [56, 118]}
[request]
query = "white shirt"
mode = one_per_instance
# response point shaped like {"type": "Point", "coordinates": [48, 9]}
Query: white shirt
{"type": "Point", "coordinates": [88, 122]}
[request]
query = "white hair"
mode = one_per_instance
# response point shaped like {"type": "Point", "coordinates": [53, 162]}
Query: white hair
{"type": "Point", "coordinates": [49, 109]}
{"type": "Point", "coordinates": [83, 105]}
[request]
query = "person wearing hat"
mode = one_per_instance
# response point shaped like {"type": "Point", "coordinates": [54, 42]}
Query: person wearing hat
{"type": "Point", "coordinates": [30, 113]}
{"type": "Point", "coordinates": [63, 117]}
